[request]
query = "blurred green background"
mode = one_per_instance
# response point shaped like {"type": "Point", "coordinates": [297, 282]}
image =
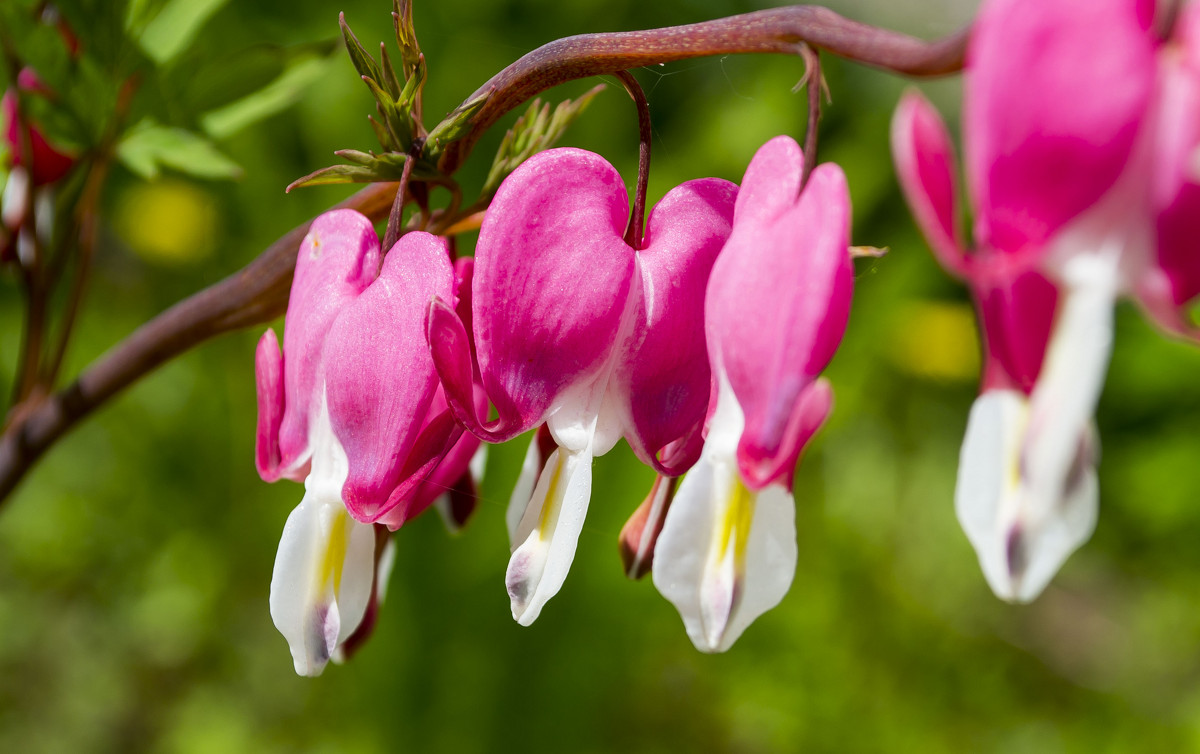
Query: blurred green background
{"type": "Point", "coordinates": [135, 560]}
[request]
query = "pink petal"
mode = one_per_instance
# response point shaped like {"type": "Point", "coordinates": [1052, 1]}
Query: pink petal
{"type": "Point", "coordinates": [380, 379]}
{"type": "Point", "coordinates": [664, 373]}
{"type": "Point", "coordinates": [1176, 191]}
{"type": "Point", "coordinates": [268, 378]}
{"type": "Point", "coordinates": [1016, 311]}
{"type": "Point", "coordinates": [338, 259]}
{"type": "Point", "coordinates": [926, 166]}
{"type": "Point", "coordinates": [552, 278]}
{"type": "Point", "coordinates": [779, 300]}
{"type": "Point", "coordinates": [453, 466]}
{"type": "Point", "coordinates": [1055, 94]}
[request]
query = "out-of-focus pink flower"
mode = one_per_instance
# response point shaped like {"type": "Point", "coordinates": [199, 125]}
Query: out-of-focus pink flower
{"type": "Point", "coordinates": [1078, 123]}
{"type": "Point", "coordinates": [576, 329]}
{"type": "Point", "coordinates": [346, 407]}
{"type": "Point", "coordinates": [44, 162]}
{"type": "Point", "coordinates": [777, 305]}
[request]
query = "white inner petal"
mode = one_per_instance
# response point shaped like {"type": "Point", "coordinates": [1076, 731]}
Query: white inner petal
{"type": "Point", "coordinates": [1027, 490]}
{"type": "Point", "coordinates": [549, 533]}
{"type": "Point", "coordinates": [726, 554]}
{"type": "Point", "coordinates": [325, 564]}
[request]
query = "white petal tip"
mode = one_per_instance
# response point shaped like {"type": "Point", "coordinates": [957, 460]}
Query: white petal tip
{"type": "Point", "coordinates": [521, 581]}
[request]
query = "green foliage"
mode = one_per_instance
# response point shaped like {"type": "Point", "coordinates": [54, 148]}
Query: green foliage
{"type": "Point", "coordinates": [534, 131]}
{"type": "Point", "coordinates": [149, 147]}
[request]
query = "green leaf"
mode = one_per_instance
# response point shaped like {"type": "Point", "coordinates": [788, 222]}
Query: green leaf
{"type": "Point", "coordinates": [454, 126]}
{"type": "Point", "coordinates": [362, 60]}
{"type": "Point", "coordinates": [271, 99]}
{"type": "Point", "coordinates": [149, 147]}
{"type": "Point", "coordinates": [173, 28]}
{"type": "Point", "coordinates": [342, 174]}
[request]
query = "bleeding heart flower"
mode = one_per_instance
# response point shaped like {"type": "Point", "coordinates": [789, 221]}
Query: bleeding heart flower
{"type": "Point", "coordinates": [777, 306]}
{"type": "Point", "coordinates": [576, 329]}
{"type": "Point", "coordinates": [1077, 121]}
{"type": "Point", "coordinates": [346, 408]}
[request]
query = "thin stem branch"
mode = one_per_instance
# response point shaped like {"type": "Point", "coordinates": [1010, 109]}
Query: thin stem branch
{"type": "Point", "coordinates": [777, 30]}
{"type": "Point", "coordinates": [637, 219]}
{"type": "Point", "coordinates": [87, 224]}
{"type": "Point", "coordinates": [396, 216]}
{"type": "Point", "coordinates": [812, 80]}
{"type": "Point", "coordinates": [255, 294]}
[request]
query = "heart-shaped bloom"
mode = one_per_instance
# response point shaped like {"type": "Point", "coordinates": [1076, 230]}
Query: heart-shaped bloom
{"type": "Point", "coordinates": [1078, 123]}
{"type": "Point", "coordinates": [777, 306]}
{"type": "Point", "coordinates": [574, 328]}
{"type": "Point", "coordinates": [347, 407]}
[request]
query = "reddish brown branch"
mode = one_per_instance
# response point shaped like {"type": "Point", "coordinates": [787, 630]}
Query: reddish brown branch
{"type": "Point", "coordinates": [255, 294]}
{"type": "Point", "coordinates": [778, 30]}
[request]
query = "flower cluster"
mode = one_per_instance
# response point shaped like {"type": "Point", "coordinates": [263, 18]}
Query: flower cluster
{"type": "Point", "coordinates": [1082, 140]}
{"type": "Point", "coordinates": [1081, 130]}
{"type": "Point", "coordinates": [559, 325]}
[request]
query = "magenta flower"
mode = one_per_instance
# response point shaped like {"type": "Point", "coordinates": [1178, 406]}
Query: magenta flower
{"type": "Point", "coordinates": [576, 329]}
{"type": "Point", "coordinates": [45, 163]}
{"type": "Point", "coordinates": [346, 407]}
{"type": "Point", "coordinates": [777, 306]}
{"type": "Point", "coordinates": [1078, 124]}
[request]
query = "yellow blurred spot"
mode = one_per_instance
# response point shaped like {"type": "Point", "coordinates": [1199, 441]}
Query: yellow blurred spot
{"type": "Point", "coordinates": [168, 222]}
{"type": "Point", "coordinates": [936, 340]}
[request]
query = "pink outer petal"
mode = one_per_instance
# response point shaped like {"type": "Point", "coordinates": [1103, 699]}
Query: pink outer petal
{"type": "Point", "coordinates": [926, 166]}
{"type": "Point", "coordinates": [452, 467]}
{"type": "Point", "coordinates": [812, 409]}
{"type": "Point", "coordinates": [380, 380]}
{"type": "Point", "coordinates": [779, 299]}
{"type": "Point", "coordinates": [1056, 92]}
{"type": "Point", "coordinates": [268, 378]}
{"type": "Point", "coordinates": [552, 277]}
{"type": "Point", "coordinates": [338, 259]}
{"type": "Point", "coordinates": [1176, 192]}
{"type": "Point", "coordinates": [1016, 312]}
{"type": "Point", "coordinates": [49, 164]}
{"type": "Point", "coordinates": [664, 373]}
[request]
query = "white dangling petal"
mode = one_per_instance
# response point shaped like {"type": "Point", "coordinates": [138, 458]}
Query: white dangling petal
{"type": "Point", "coordinates": [325, 564]}
{"type": "Point", "coordinates": [726, 554]}
{"type": "Point", "coordinates": [548, 532]}
{"type": "Point", "coordinates": [1027, 491]}
{"type": "Point", "coordinates": [986, 496]}
{"type": "Point", "coordinates": [531, 468]}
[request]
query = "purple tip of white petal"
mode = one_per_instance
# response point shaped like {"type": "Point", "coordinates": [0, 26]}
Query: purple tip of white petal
{"type": "Point", "coordinates": [549, 533]}
{"type": "Point", "coordinates": [323, 576]}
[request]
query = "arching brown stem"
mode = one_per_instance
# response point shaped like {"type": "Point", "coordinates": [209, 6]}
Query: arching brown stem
{"type": "Point", "coordinates": [777, 30]}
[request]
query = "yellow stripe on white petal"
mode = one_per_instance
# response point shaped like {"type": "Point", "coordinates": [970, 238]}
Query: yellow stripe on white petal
{"type": "Point", "coordinates": [325, 564]}
{"type": "Point", "coordinates": [726, 554]}
{"type": "Point", "coordinates": [548, 532]}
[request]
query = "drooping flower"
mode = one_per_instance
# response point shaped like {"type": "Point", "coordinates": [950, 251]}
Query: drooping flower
{"type": "Point", "coordinates": [575, 329]}
{"type": "Point", "coordinates": [1077, 121]}
{"type": "Point", "coordinates": [346, 408]}
{"type": "Point", "coordinates": [27, 146]}
{"type": "Point", "coordinates": [777, 306]}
